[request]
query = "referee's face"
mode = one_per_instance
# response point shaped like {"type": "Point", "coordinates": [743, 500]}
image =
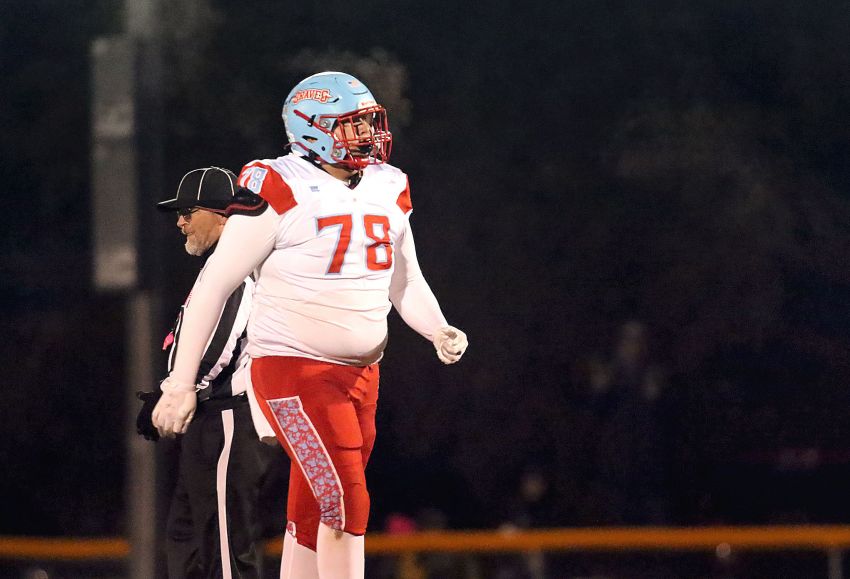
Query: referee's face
{"type": "Point", "coordinates": [202, 229]}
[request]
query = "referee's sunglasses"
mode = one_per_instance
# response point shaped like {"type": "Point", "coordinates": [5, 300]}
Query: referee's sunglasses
{"type": "Point", "coordinates": [186, 213]}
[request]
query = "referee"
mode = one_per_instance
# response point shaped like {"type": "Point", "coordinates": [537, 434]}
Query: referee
{"type": "Point", "coordinates": [214, 528]}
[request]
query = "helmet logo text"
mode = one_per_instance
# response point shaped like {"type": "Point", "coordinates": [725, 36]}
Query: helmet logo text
{"type": "Point", "coordinates": [312, 94]}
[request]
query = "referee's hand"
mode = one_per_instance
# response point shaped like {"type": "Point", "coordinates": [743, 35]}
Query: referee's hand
{"type": "Point", "coordinates": [144, 419]}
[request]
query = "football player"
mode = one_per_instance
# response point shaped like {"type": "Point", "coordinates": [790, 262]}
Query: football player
{"type": "Point", "coordinates": [334, 251]}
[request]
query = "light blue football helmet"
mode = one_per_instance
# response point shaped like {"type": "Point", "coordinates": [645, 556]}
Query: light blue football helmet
{"type": "Point", "coordinates": [331, 117]}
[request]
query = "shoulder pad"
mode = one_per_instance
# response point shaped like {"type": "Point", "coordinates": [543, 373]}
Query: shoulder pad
{"type": "Point", "coordinates": [246, 202]}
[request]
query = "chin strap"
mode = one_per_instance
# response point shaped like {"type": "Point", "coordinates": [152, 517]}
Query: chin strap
{"type": "Point", "coordinates": [354, 180]}
{"type": "Point", "coordinates": [313, 158]}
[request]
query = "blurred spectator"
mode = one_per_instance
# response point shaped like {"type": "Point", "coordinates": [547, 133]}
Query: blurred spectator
{"type": "Point", "coordinates": [529, 508]}
{"type": "Point", "coordinates": [400, 524]}
{"type": "Point", "coordinates": [406, 565]}
{"type": "Point", "coordinates": [425, 565]}
{"type": "Point", "coordinates": [627, 455]}
{"type": "Point", "coordinates": [444, 565]}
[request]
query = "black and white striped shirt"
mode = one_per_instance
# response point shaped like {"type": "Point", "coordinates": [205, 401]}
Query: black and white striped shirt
{"type": "Point", "coordinates": [226, 348]}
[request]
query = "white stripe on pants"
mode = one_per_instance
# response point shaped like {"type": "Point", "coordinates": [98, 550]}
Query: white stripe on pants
{"type": "Point", "coordinates": [221, 492]}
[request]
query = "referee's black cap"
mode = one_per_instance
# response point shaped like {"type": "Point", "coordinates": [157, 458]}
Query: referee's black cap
{"type": "Point", "coordinates": [207, 188]}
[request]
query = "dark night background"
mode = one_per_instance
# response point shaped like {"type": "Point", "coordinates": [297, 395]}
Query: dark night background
{"type": "Point", "coordinates": [671, 171]}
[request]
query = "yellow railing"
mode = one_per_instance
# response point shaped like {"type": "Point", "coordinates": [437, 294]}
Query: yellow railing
{"type": "Point", "coordinates": [63, 549]}
{"type": "Point", "coordinates": [810, 538]}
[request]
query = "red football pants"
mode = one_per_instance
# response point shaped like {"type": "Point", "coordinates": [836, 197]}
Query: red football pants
{"type": "Point", "coordinates": [324, 417]}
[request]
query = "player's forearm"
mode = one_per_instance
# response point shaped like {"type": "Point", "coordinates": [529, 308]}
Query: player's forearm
{"type": "Point", "coordinates": [410, 293]}
{"type": "Point", "coordinates": [418, 307]}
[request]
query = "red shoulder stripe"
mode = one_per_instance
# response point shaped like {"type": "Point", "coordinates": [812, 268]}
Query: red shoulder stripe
{"type": "Point", "coordinates": [280, 197]}
{"type": "Point", "coordinates": [404, 203]}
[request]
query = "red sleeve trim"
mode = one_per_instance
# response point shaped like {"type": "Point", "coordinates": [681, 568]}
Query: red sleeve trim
{"type": "Point", "coordinates": [404, 203]}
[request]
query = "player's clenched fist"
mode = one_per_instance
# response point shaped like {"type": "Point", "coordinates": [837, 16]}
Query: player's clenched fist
{"type": "Point", "coordinates": [175, 409]}
{"type": "Point", "coordinates": [450, 344]}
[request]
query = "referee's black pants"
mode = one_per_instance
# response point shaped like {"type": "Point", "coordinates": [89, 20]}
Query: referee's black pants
{"type": "Point", "coordinates": [214, 529]}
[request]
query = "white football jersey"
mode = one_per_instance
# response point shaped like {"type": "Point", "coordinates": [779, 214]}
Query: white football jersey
{"type": "Point", "coordinates": [323, 292]}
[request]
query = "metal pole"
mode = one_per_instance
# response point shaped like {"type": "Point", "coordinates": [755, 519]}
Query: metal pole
{"type": "Point", "coordinates": [141, 468]}
{"type": "Point", "coordinates": [835, 561]}
{"type": "Point", "coordinates": [145, 33]}
{"type": "Point", "coordinates": [116, 213]}
{"type": "Point", "coordinates": [127, 136]}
